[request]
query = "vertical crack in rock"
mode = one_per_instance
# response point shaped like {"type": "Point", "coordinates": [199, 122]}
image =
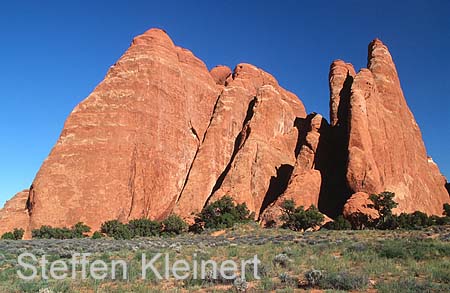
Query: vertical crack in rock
{"type": "Point", "coordinates": [194, 132]}
{"type": "Point", "coordinates": [212, 117]}
{"type": "Point", "coordinates": [199, 143]}
{"type": "Point", "coordinates": [131, 180]}
{"type": "Point", "coordinates": [238, 144]}
{"type": "Point", "coordinates": [30, 203]}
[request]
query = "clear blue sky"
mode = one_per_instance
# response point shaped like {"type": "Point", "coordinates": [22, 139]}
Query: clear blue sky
{"type": "Point", "coordinates": [54, 53]}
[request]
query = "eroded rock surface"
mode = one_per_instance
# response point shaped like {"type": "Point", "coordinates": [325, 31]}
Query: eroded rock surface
{"type": "Point", "coordinates": [161, 134]}
{"type": "Point", "coordinates": [386, 150]}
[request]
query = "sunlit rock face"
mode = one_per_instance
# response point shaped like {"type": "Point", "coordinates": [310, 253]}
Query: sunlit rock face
{"type": "Point", "coordinates": [161, 134]}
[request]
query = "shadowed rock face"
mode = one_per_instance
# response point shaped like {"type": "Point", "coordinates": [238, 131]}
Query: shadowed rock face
{"type": "Point", "coordinates": [161, 134]}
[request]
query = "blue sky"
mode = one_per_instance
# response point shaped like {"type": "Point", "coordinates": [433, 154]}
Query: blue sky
{"type": "Point", "coordinates": [53, 53]}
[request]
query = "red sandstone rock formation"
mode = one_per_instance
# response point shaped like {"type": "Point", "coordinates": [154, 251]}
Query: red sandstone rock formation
{"type": "Point", "coordinates": [385, 149]}
{"type": "Point", "coordinates": [161, 134]}
{"type": "Point", "coordinates": [305, 183]}
{"type": "Point", "coordinates": [252, 125]}
{"type": "Point", "coordinates": [15, 214]}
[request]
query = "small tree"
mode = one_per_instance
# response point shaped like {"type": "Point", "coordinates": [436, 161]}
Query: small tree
{"type": "Point", "coordinates": [297, 218]}
{"type": "Point", "coordinates": [221, 214]}
{"type": "Point", "coordinates": [145, 228]}
{"type": "Point", "coordinates": [116, 229]}
{"type": "Point", "coordinates": [340, 223]}
{"type": "Point", "coordinates": [48, 232]}
{"type": "Point", "coordinates": [383, 203]}
{"type": "Point", "coordinates": [80, 229]}
{"type": "Point", "coordinates": [16, 234]}
{"type": "Point", "coordinates": [97, 235]}
{"type": "Point", "coordinates": [360, 221]}
{"type": "Point", "coordinates": [415, 220]}
{"type": "Point", "coordinates": [174, 225]}
{"type": "Point", "coordinates": [446, 210]}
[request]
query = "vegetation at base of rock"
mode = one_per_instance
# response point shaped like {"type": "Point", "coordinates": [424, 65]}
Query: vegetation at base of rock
{"type": "Point", "coordinates": [116, 229]}
{"type": "Point", "coordinates": [383, 203]}
{"type": "Point", "coordinates": [145, 227]}
{"type": "Point", "coordinates": [174, 225]}
{"type": "Point", "coordinates": [297, 218]}
{"type": "Point", "coordinates": [221, 214]}
{"type": "Point", "coordinates": [16, 234]}
{"type": "Point", "coordinates": [340, 223]}
{"type": "Point", "coordinates": [224, 213]}
{"type": "Point", "coordinates": [78, 230]}
{"type": "Point", "coordinates": [97, 235]}
{"type": "Point", "coordinates": [446, 210]}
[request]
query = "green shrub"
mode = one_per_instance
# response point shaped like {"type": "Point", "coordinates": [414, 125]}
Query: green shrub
{"type": "Point", "coordinates": [174, 225]}
{"type": "Point", "coordinates": [221, 214]}
{"type": "Point", "coordinates": [360, 221]}
{"type": "Point", "coordinates": [415, 220]}
{"type": "Point", "coordinates": [16, 234]}
{"type": "Point", "coordinates": [340, 223]}
{"type": "Point", "coordinates": [436, 220]}
{"type": "Point", "coordinates": [47, 232]}
{"type": "Point", "coordinates": [97, 235]}
{"type": "Point", "coordinates": [79, 230]}
{"type": "Point", "coordinates": [145, 228]}
{"type": "Point", "coordinates": [446, 209]}
{"type": "Point", "coordinates": [383, 203]}
{"type": "Point", "coordinates": [116, 229]}
{"type": "Point", "coordinates": [297, 218]}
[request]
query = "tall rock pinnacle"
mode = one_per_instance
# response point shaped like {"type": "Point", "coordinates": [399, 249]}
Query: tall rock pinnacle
{"type": "Point", "coordinates": [386, 150]}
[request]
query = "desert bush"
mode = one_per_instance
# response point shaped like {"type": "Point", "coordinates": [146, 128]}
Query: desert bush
{"type": "Point", "coordinates": [436, 220]}
{"type": "Point", "coordinates": [221, 214]}
{"type": "Point", "coordinates": [343, 281]}
{"type": "Point", "coordinates": [116, 229]}
{"type": "Point", "coordinates": [16, 234]}
{"type": "Point", "coordinates": [297, 218]}
{"type": "Point", "coordinates": [415, 220]}
{"type": "Point", "coordinates": [281, 259]}
{"type": "Point", "coordinates": [313, 277]}
{"type": "Point", "coordinates": [240, 285]}
{"type": "Point", "coordinates": [48, 232]}
{"type": "Point", "coordinates": [383, 203]}
{"type": "Point", "coordinates": [446, 208]}
{"type": "Point", "coordinates": [360, 221]}
{"type": "Point", "coordinates": [145, 228]}
{"type": "Point", "coordinates": [97, 235]}
{"type": "Point", "coordinates": [174, 225]}
{"type": "Point", "coordinates": [340, 223]}
{"type": "Point", "coordinates": [79, 230]}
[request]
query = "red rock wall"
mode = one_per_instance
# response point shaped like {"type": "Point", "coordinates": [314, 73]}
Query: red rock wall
{"type": "Point", "coordinates": [161, 134]}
